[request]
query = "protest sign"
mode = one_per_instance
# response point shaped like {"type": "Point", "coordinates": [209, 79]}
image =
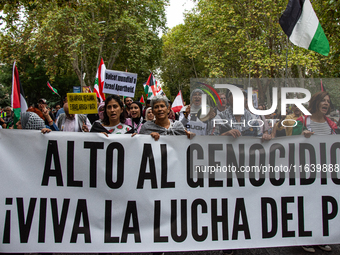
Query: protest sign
{"type": "Point", "coordinates": [82, 103]}
{"type": "Point", "coordinates": [120, 83]}
{"type": "Point", "coordinates": [76, 89]}
{"type": "Point", "coordinates": [77, 192]}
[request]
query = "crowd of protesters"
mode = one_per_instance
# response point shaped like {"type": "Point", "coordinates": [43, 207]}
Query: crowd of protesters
{"type": "Point", "coordinates": [156, 118]}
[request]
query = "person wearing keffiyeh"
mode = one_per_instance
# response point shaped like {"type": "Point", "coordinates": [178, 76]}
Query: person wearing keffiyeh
{"type": "Point", "coordinates": [31, 120]}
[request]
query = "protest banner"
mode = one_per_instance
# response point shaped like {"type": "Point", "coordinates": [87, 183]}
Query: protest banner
{"type": "Point", "coordinates": [120, 83]}
{"type": "Point", "coordinates": [84, 192]}
{"type": "Point", "coordinates": [82, 103]}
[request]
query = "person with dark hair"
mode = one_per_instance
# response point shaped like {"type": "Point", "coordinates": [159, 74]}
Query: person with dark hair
{"type": "Point", "coordinates": [171, 115]}
{"type": "Point", "coordinates": [290, 119]}
{"type": "Point", "coordinates": [279, 130]}
{"type": "Point", "coordinates": [45, 116]}
{"type": "Point", "coordinates": [127, 101]}
{"type": "Point", "coordinates": [42, 106]}
{"type": "Point", "coordinates": [113, 120]}
{"type": "Point", "coordinates": [317, 123]}
{"type": "Point", "coordinates": [94, 116]}
{"type": "Point", "coordinates": [61, 110]}
{"type": "Point", "coordinates": [136, 121]}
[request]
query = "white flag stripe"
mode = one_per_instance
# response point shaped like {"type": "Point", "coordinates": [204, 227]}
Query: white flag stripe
{"type": "Point", "coordinates": [306, 26]}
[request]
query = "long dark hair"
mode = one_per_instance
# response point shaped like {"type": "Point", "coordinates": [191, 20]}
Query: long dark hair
{"type": "Point", "coordinates": [316, 100]}
{"type": "Point", "coordinates": [106, 119]}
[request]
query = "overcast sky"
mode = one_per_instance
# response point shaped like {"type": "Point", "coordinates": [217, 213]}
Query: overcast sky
{"type": "Point", "coordinates": [174, 12]}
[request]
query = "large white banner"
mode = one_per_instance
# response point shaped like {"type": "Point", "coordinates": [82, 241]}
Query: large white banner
{"type": "Point", "coordinates": [84, 192]}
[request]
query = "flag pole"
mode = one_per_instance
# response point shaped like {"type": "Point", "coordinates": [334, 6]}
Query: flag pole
{"type": "Point", "coordinates": [286, 69]}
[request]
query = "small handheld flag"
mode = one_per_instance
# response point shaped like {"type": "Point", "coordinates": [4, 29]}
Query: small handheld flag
{"type": "Point", "coordinates": [55, 91]}
{"type": "Point", "coordinates": [142, 100]}
{"type": "Point", "coordinates": [178, 102]}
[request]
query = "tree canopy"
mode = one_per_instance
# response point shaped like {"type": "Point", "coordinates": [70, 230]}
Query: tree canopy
{"type": "Point", "coordinates": [70, 37]}
{"type": "Point", "coordinates": [225, 38]}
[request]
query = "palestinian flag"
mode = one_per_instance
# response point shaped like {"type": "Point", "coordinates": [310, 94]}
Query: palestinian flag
{"type": "Point", "coordinates": [99, 82]}
{"type": "Point", "coordinates": [19, 104]}
{"type": "Point", "coordinates": [150, 87]}
{"type": "Point", "coordinates": [55, 91]}
{"type": "Point", "coordinates": [301, 25]}
{"type": "Point", "coordinates": [141, 100]}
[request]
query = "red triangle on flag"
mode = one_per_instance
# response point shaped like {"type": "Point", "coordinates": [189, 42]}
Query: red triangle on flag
{"type": "Point", "coordinates": [151, 83]}
{"type": "Point", "coordinates": [142, 100]}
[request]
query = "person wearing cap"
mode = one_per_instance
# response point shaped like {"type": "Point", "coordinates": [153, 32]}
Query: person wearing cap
{"type": "Point", "coordinates": [42, 105]}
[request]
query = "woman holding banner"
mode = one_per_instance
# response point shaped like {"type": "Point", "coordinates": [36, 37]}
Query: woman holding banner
{"type": "Point", "coordinates": [162, 125]}
{"type": "Point", "coordinates": [317, 123]}
{"type": "Point", "coordinates": [113, 118]}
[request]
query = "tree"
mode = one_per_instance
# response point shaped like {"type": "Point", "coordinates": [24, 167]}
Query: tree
{"type": "Point", "coordinates": [75, 34]}
{"type": "Point", "coordinates": [177, 66]}
{"type": "Point", "coordinates": [242, 39]}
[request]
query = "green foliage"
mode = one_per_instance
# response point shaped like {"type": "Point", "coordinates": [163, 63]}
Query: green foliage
{"type": "Point", "coordinates": [72, 36]}
{"type": "Point", "coordinates": [243, 38]}
{"type": "Point", "coordinates": [5, 91]}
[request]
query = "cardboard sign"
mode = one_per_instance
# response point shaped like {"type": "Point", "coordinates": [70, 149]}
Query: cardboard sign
{"type": "Point", "coordinates": [120, 83]}
{"type": "Point", "coordinates": [82, 103]}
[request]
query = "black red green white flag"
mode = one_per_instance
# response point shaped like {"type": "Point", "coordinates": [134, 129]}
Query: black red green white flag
{"type": "Point", "coordinates": [142, 100]}
{"type": "Point", "coordinates": [302, 26]}
{"type": "Point", "coordinates": [18, 101]}
{"type": "Point", "coordinates": [55, 91]}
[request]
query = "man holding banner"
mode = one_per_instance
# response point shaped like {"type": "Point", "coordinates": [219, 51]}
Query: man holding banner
{"type": "Point", "coordinates": [73, 122]}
